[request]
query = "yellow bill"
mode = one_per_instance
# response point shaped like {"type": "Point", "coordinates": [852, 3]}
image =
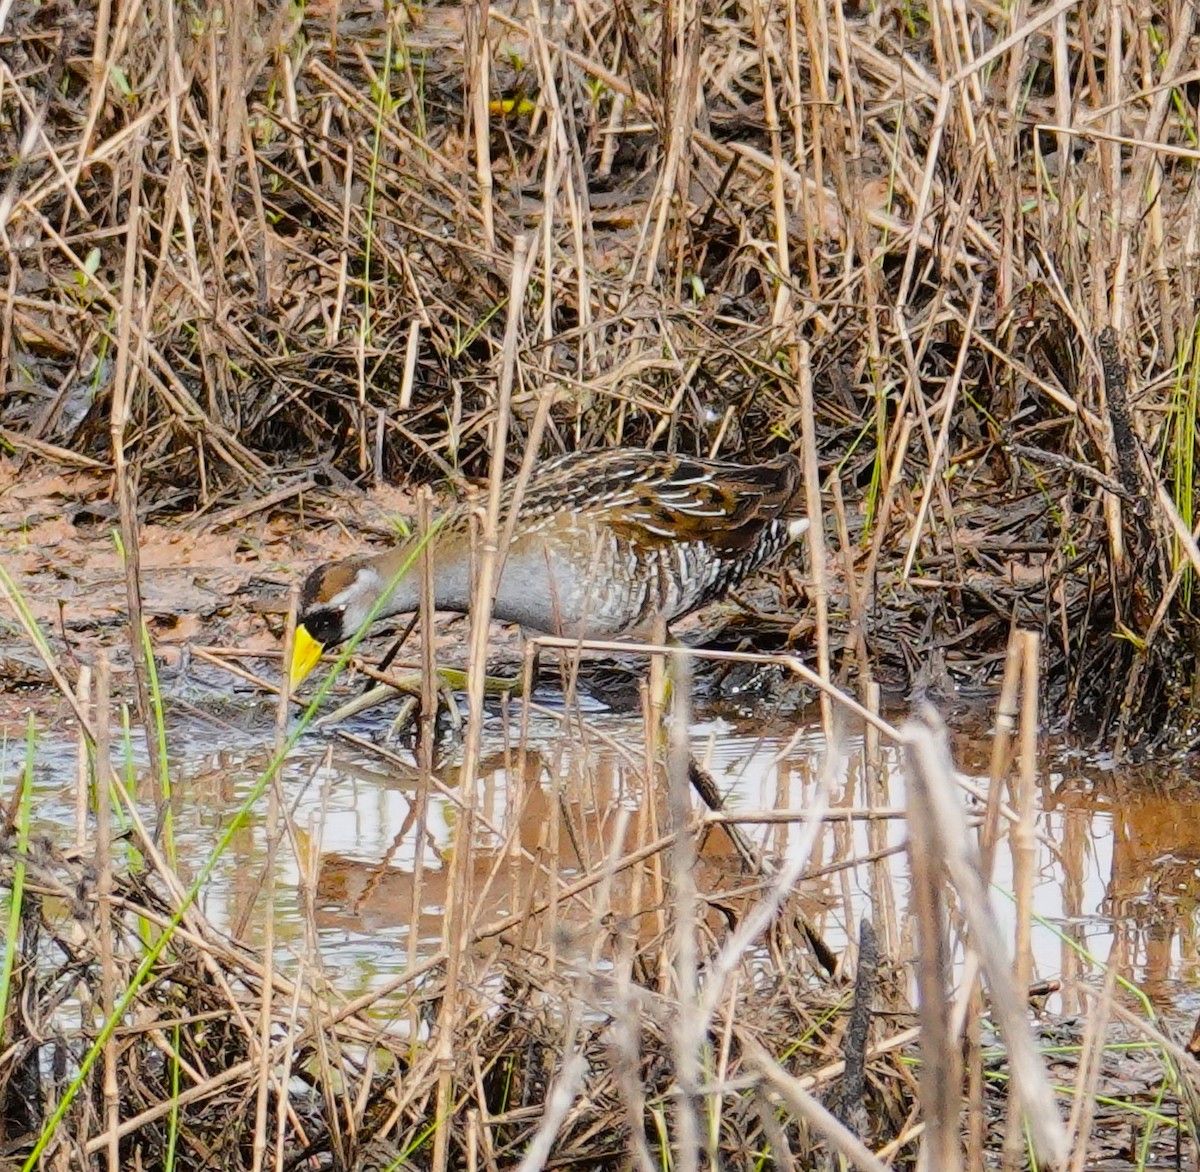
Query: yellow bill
{"type": "Point", "coordinates": [306, 654]}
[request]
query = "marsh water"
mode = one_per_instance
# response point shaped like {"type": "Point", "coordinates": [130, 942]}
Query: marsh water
{"type": "Point", "coordinates": [1116, 875]}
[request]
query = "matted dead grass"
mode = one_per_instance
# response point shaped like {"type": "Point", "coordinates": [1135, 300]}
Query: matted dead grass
{"type": "Point", "coordinates": [285, 237]}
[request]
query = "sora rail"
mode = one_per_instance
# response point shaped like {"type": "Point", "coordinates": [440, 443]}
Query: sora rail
{"type": "Point", "coordinates": [605, 543]}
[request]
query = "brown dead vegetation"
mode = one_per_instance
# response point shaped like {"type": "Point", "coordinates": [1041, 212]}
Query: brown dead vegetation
{"type": "Point", "coordinates": [264, 254]}
{"type": "Point", "coordinates": [285, 238]}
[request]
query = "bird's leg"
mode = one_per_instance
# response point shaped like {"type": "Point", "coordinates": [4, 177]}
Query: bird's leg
{"type": "Point", "coordinates": [405, 718]}
{"type": "Point", "coordinates": [449, 678]}
{"type": "Point", "coordinates": [393, 651]}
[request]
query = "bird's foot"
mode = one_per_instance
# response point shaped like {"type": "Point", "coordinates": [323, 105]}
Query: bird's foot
{"type": "Point", "coordinates": [451, 681]}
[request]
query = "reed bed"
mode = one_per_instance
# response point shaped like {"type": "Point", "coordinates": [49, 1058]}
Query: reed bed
{"type": "Point", "coordinates": [255, 256]}
{"type": "Point", "coordinates": [253, 253]}
{"type": "Point", "coordinates": [624, 1011]}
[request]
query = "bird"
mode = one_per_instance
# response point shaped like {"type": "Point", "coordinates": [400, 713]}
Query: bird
{"type": "Point", "coordinates": [606, 542]}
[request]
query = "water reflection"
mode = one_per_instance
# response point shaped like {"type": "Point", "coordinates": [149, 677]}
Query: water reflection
{"type": "Point", "coordinates": [363, 874]}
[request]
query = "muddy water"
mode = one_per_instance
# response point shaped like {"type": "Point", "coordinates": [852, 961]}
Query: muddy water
{"type": "Point", "coordinates": [1116, 874]}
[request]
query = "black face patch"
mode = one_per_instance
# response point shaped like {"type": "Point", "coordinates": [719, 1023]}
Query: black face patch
{"type": "Point", "coordinates": [325, 625]}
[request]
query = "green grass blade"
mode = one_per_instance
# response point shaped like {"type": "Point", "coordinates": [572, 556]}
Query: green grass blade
{"type": "Point", "coordinates": [18, 884]}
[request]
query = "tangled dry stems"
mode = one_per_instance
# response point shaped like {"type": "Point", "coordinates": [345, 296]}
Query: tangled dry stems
{"type": "Point", "coordinates": [310, 275]}
{"type": "Point", "coordinates": [262, 243]}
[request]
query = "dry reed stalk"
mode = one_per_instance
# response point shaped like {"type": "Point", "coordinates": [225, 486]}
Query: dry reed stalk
{"type": "Point", "coordinates": [914, 394]}
{"type": "Point", "coordinates": [1150, 638]}
{"type": "Point", "coordinates": [563, 168]}
{"type": "Point", "coordinates": [854, 646]}
{"type": "Point", "coordinates": [933, 475]}
{"type": "Point", "coordinates": [815, 537]}
{"type": "Point", "coordinates": [267, 992]}
{"type": "Point", "coordinates": [1091, 1059]}
{"type": "Point", "coordinates": [690, 1030]}
{"type": "Point", "coordinates": [104, 905]}
{"type": "Point", "coordinates": [680, 80]}
{"type": "Point", "coordinates": [160, 374]}
{"type": "Point", "coordinates": [213, 953]}
{"type": "Point", "coordinates": [781, 302]}
{"type": "Point", "coordinates": [627, 1053]}
{"type": "Point", "coordinates": [877, 796]}
{"type": "Point", "coordinates": [903, 428]}
{"type": "Point", "coordinates": [940, 1063]}
{"type": "Point", "coordinates": [6, 321]}
{"type": "Point", "coordinates": [558, 1103]}
{"type": "Point", "coordinates": [977, 1118]}
{"type": "Point", "coordinates": [451, 794]}
{"type": "Point", "coordinates": [33, 633]}
{"type": "Point", "coordinates": [213, 219]}
{"type": "Point", "coordinates": [791, 662]}
{"type": "Point", "coordinates": [754, 922]}
{"type": "Point", "coordinates": [783, 815]}
{"type": "Point", "coordinates": [781, 1151]}
{"type": "Point", "coordinates": [549, 848]}
{"type": "Point", "coordinates": [1023, 842]}
{"type": "Point", "coordinates": [457, 917]}
{"type": "Point", "coordinates": [1001, 755]}
{"type": "Point", "coordinates": [334, 329]}
{"type": "Point", "coordinates": [206, 1089]}
{"type": "Point", "coordinates": [50, 452]}
{"type": "Point", "coordinates": [308, 862]}
{"type": "Point", "coordinates": [1023, 836]}
{"type": "Point", "coordinates": [477, 51]}
{"type": "Point", "coordinates": [427, 732]}
{"type": "Point", "coordinates": [798, 1100]}
{"type": "Point", "coordinates": [940, 838]}
{"type": "Point", "coordinates": [83, 765]}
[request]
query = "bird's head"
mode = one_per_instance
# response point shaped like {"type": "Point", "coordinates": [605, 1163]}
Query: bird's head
{"type": "Point", "coordinates": [335, 601]}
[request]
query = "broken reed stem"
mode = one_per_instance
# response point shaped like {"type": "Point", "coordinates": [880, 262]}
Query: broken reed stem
{"type": "Point", "coordinates": [977, 1114]}
{"type": "Point", "coordinates": [1001, 757]}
